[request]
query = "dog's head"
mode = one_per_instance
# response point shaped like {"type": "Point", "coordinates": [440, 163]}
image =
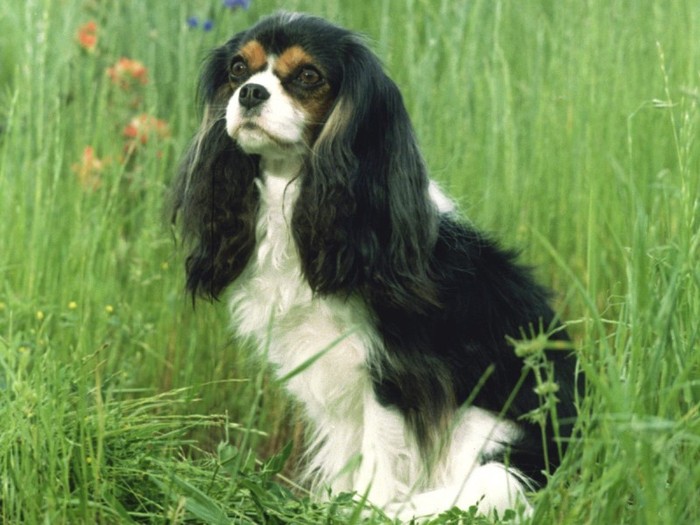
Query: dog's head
{"type": "Point", "coordinates": [281, 89]}
{"type": "Point", "coordinates": [299, 90]}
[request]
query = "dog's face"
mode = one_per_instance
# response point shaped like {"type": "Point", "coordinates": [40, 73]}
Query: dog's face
{"type": "Point", "coordinates": [281, 91]}
{"type": "Point", "coordinates": [278, 100]}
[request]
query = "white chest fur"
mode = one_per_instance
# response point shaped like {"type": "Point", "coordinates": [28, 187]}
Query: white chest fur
{"type": "Point", "coordinates": [272, 304]}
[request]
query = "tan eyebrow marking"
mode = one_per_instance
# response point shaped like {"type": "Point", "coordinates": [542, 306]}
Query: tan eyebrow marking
{"type": "Point", "coordinates": [290, 60]}
{"type": "Point", "coordinates": [255, 55]}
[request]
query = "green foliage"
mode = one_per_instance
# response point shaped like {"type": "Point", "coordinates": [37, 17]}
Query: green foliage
{"type": "Point", "coordinates": [567, 127]}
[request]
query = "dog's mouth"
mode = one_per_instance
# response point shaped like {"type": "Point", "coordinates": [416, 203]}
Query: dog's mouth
{"type": "Point", "coordinates": [252, 128]}
{"type": "Point", "coordinates": [252, 135]}
{"type": "Point", "coordinates": [249, 124]}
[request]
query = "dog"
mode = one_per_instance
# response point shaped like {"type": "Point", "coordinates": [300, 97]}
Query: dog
{"type": "Point", "coordinates": [390, 320]}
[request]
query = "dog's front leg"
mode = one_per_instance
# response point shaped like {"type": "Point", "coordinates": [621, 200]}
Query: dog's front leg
{"type": "Point", "coordinates": [385, 466]}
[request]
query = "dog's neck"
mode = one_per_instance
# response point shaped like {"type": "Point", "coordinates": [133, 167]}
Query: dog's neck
{"type": "Point", "coordinates": [278, 184]}
{"type": "Point", "coordinates": [285, 168]}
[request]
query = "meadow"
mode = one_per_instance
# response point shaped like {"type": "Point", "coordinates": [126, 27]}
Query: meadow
{"type": "Point", "coordinates": [568, 128]}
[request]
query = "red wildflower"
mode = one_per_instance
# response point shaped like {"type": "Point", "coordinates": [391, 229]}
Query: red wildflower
{"type": "Point", "coordinates": [126, 72]}
{"type": "Point", "coordinates": [89, 169]}
{"type": "Point", "coordinates": [142, 128]}
{"type": "Point", "coordinates": [87, 36]}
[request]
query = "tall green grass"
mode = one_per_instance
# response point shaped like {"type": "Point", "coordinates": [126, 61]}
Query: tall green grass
{"type": "Point", "coordinates": [566, 127]}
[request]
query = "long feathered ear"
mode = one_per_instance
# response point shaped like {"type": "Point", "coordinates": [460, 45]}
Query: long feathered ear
{"type": "Point", "coordinates": [214, 193]}
{"type": "Point", "coordinates": [364, 218]}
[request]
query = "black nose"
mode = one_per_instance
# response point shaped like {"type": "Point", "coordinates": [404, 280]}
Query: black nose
{"type": "Point", "coordinates": [252, 95]}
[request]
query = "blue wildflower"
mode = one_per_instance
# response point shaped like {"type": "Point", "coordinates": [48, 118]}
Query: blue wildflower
{"type": "Point", "coordinates": [208, 25]}
{"type": "Point", "coordinates": [235, 4]}
{"type": "Point", "coordinates": [192, 22]}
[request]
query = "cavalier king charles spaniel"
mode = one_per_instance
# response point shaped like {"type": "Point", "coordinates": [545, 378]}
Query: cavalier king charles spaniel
{"type": "Point", "coordinates": [391, 321]}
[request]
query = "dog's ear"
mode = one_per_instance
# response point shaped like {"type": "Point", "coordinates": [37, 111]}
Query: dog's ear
{"type": "Point", "coordinates": [364, 217]}
{"type": "Point", "coordinates": [214, 193]}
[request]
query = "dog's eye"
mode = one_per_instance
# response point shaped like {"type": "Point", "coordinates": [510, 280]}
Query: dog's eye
{"type": "Point", "coordinates": [309, 76]}
{"type": "Point", "coordinates": [238, 69]}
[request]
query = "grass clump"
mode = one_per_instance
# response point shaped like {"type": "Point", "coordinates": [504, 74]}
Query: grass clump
{"type": "Point", "coordinates": [76, 452]}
